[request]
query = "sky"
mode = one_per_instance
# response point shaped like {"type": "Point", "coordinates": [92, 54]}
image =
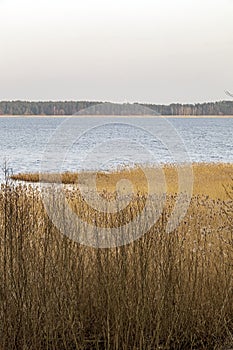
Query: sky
{"type": "Point", "coordinates": [157, 51]}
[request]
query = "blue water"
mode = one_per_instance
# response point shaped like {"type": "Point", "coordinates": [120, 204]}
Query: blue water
{"type": "Point", "coordinates": [104, 143]}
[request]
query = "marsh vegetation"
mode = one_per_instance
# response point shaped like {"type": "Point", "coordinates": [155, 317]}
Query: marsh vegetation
{"type": "Point", "coordinates": [162, 291]}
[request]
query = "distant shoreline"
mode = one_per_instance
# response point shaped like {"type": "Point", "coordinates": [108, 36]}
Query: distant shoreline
{"type": "Point", "coordinates": [60, 108]}
{"type": "Point", "coordinates": [121, 116]}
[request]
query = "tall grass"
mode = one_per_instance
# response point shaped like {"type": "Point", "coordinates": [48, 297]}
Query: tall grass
{"type": "Point", "coordinates": [163, 291]}
{"type": "Point", "coordinates": [209, 178]}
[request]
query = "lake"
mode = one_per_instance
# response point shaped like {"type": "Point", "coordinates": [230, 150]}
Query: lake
{"type": "Point", "coordinates": [107, 142]}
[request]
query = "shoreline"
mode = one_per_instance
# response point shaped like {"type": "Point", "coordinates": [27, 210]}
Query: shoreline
{"type": "Point", "coordinates": [122, 116]}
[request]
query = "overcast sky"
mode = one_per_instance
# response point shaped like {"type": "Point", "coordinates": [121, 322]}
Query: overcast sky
{"type": "Point", "coordinates": [158, 51]}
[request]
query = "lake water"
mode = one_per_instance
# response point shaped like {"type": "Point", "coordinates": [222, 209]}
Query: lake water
{"type": "Point", "coordinates": [106, 142]}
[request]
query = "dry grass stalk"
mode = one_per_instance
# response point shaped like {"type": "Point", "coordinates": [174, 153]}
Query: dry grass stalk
{"type": "Point", "coordinates": [163, 291]}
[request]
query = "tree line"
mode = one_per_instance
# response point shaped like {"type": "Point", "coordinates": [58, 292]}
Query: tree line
{"type": "Point", "coordinates": [74, 107]}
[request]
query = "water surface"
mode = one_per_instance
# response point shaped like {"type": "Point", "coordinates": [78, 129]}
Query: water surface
{"type": "Point", "coordinates": [115, 141]}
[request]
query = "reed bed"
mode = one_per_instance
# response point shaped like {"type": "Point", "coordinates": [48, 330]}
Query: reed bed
{"type": "Point", "coordinates": [162, 291]}
{"type": "Point", "coordinates": [210, 179]}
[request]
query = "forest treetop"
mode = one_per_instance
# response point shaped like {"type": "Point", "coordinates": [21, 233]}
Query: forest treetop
{"type": "Point", "coordinates": [74, 107]}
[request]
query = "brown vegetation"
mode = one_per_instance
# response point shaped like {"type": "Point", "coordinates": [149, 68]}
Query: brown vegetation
{"type": "Point", "coordinates": [163, 291]}
{"type": "Point", "coordinates": [209, 179]}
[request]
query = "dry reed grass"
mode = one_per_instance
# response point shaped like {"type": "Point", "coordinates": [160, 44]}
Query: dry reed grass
{"type": "Point", "coordinates": [163, 291]}
{"type": "Point", "coordinates": [209, 179]}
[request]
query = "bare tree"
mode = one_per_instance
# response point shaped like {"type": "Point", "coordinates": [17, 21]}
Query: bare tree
{"type": "Point", "coordinates": [228, 93]}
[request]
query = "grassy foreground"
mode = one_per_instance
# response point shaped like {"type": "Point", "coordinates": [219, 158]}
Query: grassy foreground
{"type": "Point", "coordinates": [162, 291]}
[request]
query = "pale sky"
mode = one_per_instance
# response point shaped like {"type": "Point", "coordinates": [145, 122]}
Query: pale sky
{"type": "Point", "coordinates": [158, 51]}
